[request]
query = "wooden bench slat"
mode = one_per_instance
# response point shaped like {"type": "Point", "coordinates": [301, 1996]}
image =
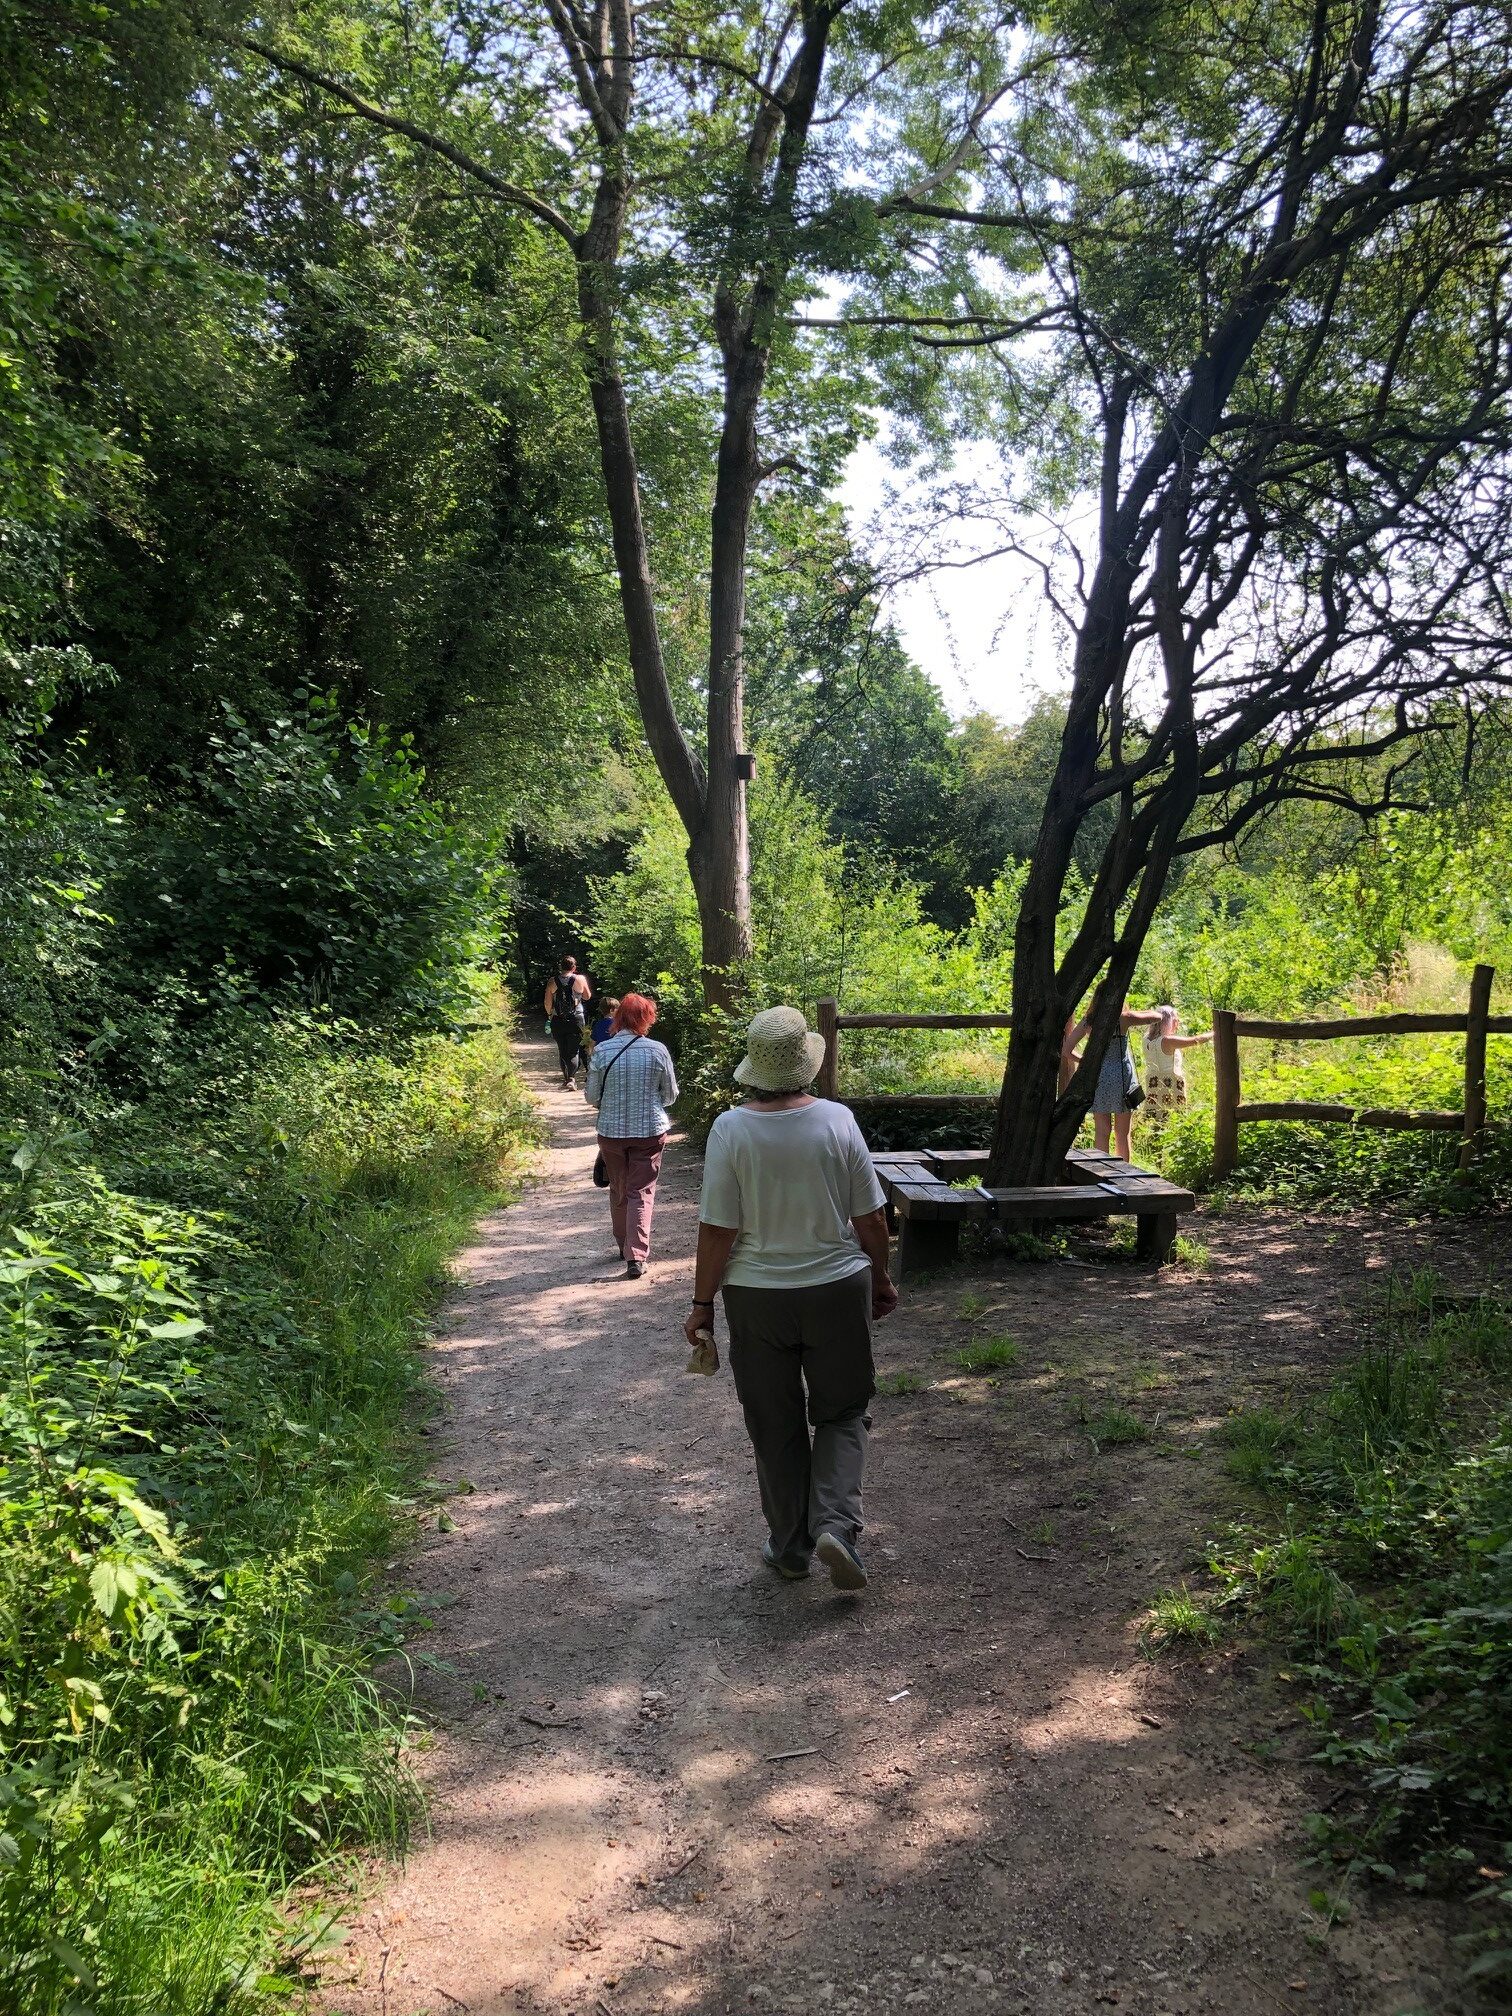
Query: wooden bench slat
{"type": "Point", "coordinates": [1139, 1203]}
{"type": "Point", "coordinates": [1052, 1200]}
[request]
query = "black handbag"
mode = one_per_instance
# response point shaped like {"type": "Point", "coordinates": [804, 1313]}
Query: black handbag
{"type": "Point", "coordinates": [600, 1168]}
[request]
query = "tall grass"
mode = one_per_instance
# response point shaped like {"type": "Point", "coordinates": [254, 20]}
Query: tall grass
{"type": "Point", "coordinates": [206, 1449]}
{"type": "Point", "coordinates": [1384, 1558]}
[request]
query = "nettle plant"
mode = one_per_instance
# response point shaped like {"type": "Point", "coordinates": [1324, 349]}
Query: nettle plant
{"type": "Point", "coordinates": [99, 1597]}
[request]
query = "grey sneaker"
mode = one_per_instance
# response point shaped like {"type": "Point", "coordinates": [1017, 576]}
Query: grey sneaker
{"type": "Point", "coordinates": [634, 1269]}
{"type": "Point", "coordinates": [787, 1567]}
{"type": "Point", "coordinates": [842, 1561]}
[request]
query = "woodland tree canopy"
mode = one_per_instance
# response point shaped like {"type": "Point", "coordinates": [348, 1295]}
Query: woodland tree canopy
{"type": "Point", "coordinates": [424, 430]}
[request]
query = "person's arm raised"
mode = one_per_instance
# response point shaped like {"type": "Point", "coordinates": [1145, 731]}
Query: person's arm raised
{"type": "Point", "coordinates": [871, 1230]}
{"type": "Point", "coordinates": [714, 1247]}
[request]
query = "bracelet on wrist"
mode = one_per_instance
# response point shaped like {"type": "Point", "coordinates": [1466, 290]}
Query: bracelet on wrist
{"type": "Point", "coordinates": [697, 1304]}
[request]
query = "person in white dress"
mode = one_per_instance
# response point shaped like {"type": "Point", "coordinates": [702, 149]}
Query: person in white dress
{"type": "Point", "coordinates": [1164, 1074]}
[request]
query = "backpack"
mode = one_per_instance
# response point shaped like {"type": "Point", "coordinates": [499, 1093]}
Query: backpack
{"type": "Point", "coordinates": [567, 1003]}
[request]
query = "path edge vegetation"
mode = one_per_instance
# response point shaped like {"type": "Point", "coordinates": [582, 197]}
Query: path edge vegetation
{"type": "Point", "coordinates": [192, 1744]}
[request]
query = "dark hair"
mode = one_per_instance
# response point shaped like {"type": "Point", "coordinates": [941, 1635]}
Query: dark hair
{"type": "Point", "coordinates": [762, 1095]}
{"type": "Point", "coordinates": [567, 964]}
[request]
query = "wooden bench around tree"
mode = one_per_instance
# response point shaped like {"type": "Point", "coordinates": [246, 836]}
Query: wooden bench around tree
{"type": "Point", "coordinates": [928, 1212]}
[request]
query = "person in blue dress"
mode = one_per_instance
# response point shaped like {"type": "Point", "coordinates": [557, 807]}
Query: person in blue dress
{"type": "Point", "coordinates": [1118, 1088]}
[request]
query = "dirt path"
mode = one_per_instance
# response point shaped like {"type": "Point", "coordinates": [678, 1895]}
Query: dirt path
{"type": "Point", "coordinates": [989, 1800]}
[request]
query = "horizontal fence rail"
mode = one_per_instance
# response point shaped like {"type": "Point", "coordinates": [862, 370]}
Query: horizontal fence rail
{"type": "Point", "coordinates": [831, 1022]}
{"type": "Point", "coordinates": [1231, 1110]}
{"type": "Point", "coordinates": [1230, 1107]}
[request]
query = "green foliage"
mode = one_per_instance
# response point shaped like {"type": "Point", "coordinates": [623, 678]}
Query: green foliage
{"type": "Point", "coordinates": [896, 1384]}
{"type": "Point", "coordinates": [1178, 1621]}
{"type": "Point", "coordinates": [1111, 1426]}
{"type": "Point", "coordinates": [1389, 1566]}
{"type": "Point", "coordinates": [306, 860]}
{"type": "Point", "coordinates": [988, 1354]}
{"type": "Point", "coordinates": [200, 1464]}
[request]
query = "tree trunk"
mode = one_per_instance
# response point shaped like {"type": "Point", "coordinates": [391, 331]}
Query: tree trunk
{"type": "Point", "coordinates": [719, 854]}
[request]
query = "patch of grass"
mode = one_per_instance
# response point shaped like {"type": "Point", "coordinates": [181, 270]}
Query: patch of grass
{"type": "Point", "coordinates": [1043, 1532]}
{"type": "Point", "coordinates": [1112, 1426]}
{"type": "Point", "coordinates": [1258, 1441]}
{"type": "Point", "coordinates": [971, 1306]}
{"type": "Point", "coordinates": [990, 1354]}
{"type": "Point", "coordinates": [1191, 1252]}
{"type": "Point", "coordinates": [1391, 1399]}
{"type": "Point", "coordinates": [1152, 1378]}
{"type": "Point", "coordinates": [1032, 1248]}
{"type": "Point", "coordinates": [966, 1183]}
{"type": "Point", "coordinates": [1178, 1620]}
{"type": "Point", "coordinates": [1480, 1332]}
{"type": "Point", "coordinates": [896, 1384]}
{"type": "Point", "coordinates": [1387, 1564]}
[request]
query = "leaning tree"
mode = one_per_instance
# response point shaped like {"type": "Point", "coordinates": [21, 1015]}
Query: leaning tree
{"type": "Point", "coordinates": [1268, 409]}
{"type": "Point", "coordinates": [697, 169]}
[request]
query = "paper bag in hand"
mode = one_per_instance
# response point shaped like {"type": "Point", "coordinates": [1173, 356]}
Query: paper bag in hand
{"type": "Point", "coordinates": [705, 1355]}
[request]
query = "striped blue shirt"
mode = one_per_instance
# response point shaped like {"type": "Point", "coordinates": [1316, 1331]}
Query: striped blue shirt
{"type": "Point", "coordinates": [633, 1103]}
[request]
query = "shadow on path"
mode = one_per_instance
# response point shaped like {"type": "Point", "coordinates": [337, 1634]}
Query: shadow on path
{"type": "Point", "coordinates": [664, 1781]}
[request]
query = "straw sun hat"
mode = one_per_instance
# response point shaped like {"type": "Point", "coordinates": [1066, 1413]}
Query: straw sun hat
{"type": "Point", "coordinates": [782, 1052]}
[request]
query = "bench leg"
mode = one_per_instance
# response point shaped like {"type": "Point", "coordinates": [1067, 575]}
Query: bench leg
{"type": "Point", "coordinates": [1155, 1237]}
{"type": "Point", "coordinates": [926, 1243]}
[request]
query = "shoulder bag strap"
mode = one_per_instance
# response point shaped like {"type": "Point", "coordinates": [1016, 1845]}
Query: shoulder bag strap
{"type": "Point", "coordinates": [614, 1060]}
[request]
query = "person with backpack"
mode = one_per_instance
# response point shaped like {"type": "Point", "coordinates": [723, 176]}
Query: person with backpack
{"type": "Point", "coordinates": [567, 994]}
{"type": "Point", "coordinates": [632, 1083]}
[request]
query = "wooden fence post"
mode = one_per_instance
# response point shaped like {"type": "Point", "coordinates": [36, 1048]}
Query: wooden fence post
{"type": "Point", "coordinates": [829, 1070]}
{"type": "Point", "coordinates": [1475, 1062]}
{"type": "Point", "coordinates": [1225, 1092]}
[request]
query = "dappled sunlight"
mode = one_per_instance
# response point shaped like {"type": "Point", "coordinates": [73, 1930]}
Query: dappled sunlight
{"type": "Point", "coordinates": [663, 1779]}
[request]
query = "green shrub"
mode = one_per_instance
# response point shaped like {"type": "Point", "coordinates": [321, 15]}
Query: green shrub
{"type": "Point", "coordinates": [1392, 1572]}
{"type": "Point", "coordinates": [201, 1463]}
{"type": "Point", "coordinates": [303, 859]}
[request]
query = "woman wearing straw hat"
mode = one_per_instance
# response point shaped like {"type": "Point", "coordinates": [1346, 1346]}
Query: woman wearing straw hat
{"type": "Point", "coordinates": [792, 1226]}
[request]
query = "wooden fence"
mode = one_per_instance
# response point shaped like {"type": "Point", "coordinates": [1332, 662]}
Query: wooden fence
{"type": "Point", "coordinates": [1230, 1108]}
{"type": "Point", "coordinates": [831, 1022]}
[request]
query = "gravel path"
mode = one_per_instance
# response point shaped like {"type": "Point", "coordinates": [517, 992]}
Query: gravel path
{"type": "Point", "coordinates": [661, 1780]}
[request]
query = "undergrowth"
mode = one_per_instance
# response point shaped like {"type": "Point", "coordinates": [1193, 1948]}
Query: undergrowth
{"type": "Point", "coordinates": [208, 1315]}
{"type": "Point", "coordinates": [1385, 1567]}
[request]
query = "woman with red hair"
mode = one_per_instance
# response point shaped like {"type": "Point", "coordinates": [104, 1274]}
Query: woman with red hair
{"type": "Point", "coordinates": [632, 1083]}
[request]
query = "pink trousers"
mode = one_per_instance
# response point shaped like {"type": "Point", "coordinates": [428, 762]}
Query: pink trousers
{"type": "Point", "coordinates": [633, 1168]}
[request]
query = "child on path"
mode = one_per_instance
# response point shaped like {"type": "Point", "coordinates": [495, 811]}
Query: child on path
{"type": "Point", "coordinates": [1164, 1072]}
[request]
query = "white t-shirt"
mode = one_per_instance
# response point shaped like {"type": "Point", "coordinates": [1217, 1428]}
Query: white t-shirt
{"type": "Point", "coordinates": [789, 1182]}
